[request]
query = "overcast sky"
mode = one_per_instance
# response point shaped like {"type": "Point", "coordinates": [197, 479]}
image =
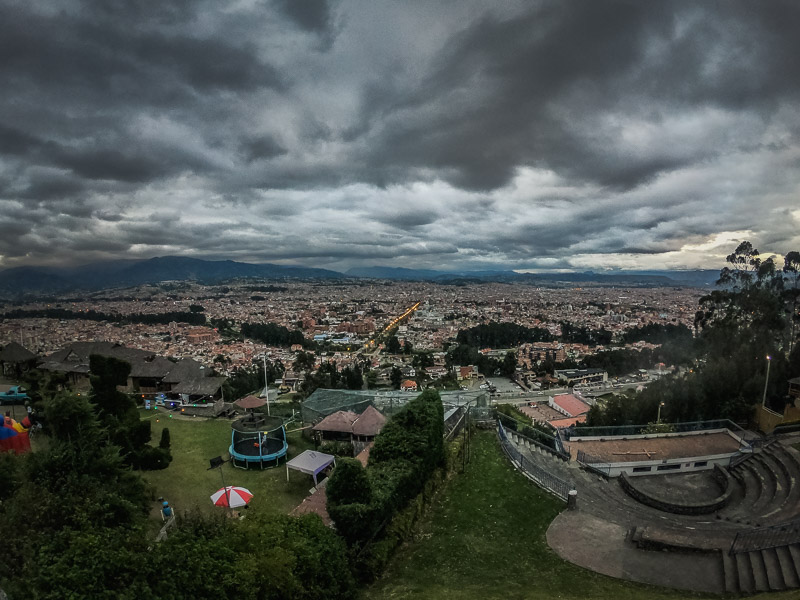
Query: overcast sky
{"type": "Point", "coordinates": [451, 134]}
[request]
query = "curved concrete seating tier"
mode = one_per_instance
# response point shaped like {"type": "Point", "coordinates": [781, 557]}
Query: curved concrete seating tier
{"type": "Point", "coordinates": [763, 490]}
{"type": "Point", "coordinates": [725, 481]}
{"type": "Point", "coordinates": [769, 488]}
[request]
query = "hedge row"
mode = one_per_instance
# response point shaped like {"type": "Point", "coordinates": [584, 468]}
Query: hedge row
{"type": "Point", "coordinates": [408, 450]}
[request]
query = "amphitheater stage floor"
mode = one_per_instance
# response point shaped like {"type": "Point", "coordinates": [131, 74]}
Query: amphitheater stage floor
{"type": "Point", "coordinates": [687, 488]}
{"type": "Point", "coordinates": [659, 448]}
{"type": "Point", "coordinates": [599, 545]}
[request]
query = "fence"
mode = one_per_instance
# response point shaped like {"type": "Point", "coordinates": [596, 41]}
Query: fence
{"type": "Point", "coordinates": [766, 537]}
{"type": "Point", "coordinates": [617, 430]}
{"type": "Point", "coordinates": [546, 444]}
{"type": "Point", "coordinates": [544, 479]}
{"type": "Point", "coordinates": [162, 534]}
{"type": "Point", "coordinates": [593, 463]}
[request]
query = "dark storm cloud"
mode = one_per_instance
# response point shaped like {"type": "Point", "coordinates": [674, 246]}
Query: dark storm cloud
{"type": "Point", "coordinates": [524, 133]}
{"type": "Point", "coordinates": [312, 15]}
{"type": "Point", "coordinates": [532, 89]}
{"type": "Point", "coordinates": [260, 148]}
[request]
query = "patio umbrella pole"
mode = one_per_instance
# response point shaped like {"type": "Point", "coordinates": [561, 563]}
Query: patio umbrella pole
{"type": "Point", "coordinates": [216, 463]}
{"type": "Point", "coordinates": [227, 494]}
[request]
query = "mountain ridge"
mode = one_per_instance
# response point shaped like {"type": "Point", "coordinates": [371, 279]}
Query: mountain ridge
{"type": "Point", "coordinates": [45, 280]}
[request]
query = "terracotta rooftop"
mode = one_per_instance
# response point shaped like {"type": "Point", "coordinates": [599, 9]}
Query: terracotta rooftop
{"type": "Point", "coordinates": [370, 422]}
{"type": "Point", "coordinates": [571, 404]}
{"type": "Point", "coordinates": [567, 422]}
{"type": "Point", "coordinates": [341, 421]}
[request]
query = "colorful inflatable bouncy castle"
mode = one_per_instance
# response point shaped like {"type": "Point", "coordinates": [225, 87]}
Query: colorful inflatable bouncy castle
{"type": "Point", "coordinates": [14, 437]}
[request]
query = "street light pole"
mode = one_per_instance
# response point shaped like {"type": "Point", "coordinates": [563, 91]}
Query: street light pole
{"type": "Point", "coordinates": [266, 390]}
{"type": "Point", "coordinates": [766, 383]}
{"type": "Point", "coordinates": [658, 418]}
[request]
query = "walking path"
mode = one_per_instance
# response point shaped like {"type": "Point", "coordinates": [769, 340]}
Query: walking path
{"type": "Point", "coordinates": [602, 546]}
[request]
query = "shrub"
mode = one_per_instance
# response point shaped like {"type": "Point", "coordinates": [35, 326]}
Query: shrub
{"type": "Point", "coordinates": [165, 441]}
{"type": "Point", "coordinates": [337, 448]}
{"type": "Point", "coordinates": [406, 452]}
{"type": "Point", "coordinates": [349, 483]}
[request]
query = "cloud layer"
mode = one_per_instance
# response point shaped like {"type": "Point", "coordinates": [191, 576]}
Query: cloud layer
{"type": "Point", "coordinates": [532, 135]}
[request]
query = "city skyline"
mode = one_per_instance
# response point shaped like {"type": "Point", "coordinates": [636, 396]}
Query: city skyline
{"type": "Point", "coordinates": [529, 136]}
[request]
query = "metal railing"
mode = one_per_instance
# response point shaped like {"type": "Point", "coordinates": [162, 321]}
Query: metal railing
{"type": "Point", "coordinates": [542, 440]}
{"type": "Point", "coordinates": [543, 478]}
{"type": "Point", "coordinates": [617, 430]}
{"type": "Point", "coordinates": [593, 463]}
{"type": "Point", "coordinates": [766, 537]}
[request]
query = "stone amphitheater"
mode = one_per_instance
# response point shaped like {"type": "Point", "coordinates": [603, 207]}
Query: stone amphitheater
{"type": "Point", "coordinates": [742, 534]}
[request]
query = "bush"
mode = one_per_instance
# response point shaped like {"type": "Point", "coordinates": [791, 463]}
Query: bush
{"type": "Point", "coordinates": [349, 483]}
{"type": "Point", "coordinates": [406, 452]}
{"type": "Point", "coordinates": [149, 458]}
{"type": "Point", "coordinates": [344, 449]}
{"type": "Point", "coordinates": [165, 441]}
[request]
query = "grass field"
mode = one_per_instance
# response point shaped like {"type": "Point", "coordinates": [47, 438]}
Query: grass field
{"type": "Point", "coordinates": [485, 538]}
{"type": "Point", "coordinates": [187, 483]}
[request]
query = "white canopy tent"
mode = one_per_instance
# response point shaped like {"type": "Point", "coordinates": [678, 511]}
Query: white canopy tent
{"type": "Point", "coordinates": [311, 463]}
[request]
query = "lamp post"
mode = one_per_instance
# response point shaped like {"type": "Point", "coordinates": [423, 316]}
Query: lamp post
{"type": "Point", "coordinates": [766, 383]}
{"type": "Point", "coordinates": [266, 390]}
{"type": "Point", "coordinates": [658, 418]}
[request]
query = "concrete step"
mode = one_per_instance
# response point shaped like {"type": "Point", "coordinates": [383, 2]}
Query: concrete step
{"type": "Point", "coordinates": [743, 510]}
{"type": "Point", "coordinates": [759, 571]}
{"type": "Point", "coordinates": [791, 506]}
{"type": "Point", "coordinates": [747, 584]}
{"type": "Point", "coordinates": [768, 488]}
{"type": "Point", "coordinates": [731, 573]}
{"type": "Point", "coordinates": [794, 550]}
{"type": "Point", "coordinates": [772, 565]}
{"type": "Point", "coordinates": [782, 483]}
{"type": "Point", "coordinates": [788, 567]}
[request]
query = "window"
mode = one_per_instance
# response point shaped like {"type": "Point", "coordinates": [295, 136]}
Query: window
{"type": "Point", "coordinates": [668, 467]}
{"type": "Point", "coordinates": [701, 463]}
{"type": "Point", "coordinates": [642, 469]}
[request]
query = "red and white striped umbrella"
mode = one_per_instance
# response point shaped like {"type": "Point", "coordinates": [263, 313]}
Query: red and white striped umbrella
{"type": "Point", "coordinates": [237, 496]}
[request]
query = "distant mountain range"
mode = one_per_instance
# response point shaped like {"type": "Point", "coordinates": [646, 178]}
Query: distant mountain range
{"type": "Point", "coordinates": [21, 281]}
{"type": "Point", "coordinates": [699, 278]}
{"type": "Point", "coordinates": [125, 273]}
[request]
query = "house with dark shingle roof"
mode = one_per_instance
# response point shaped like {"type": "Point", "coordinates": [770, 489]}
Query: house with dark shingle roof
{"type": "Point", "coordinates": [348, 426]}
{"type": "Point", "coordinates": [177, 383]}
{"type": "Point", "coordinates": [16, 359]}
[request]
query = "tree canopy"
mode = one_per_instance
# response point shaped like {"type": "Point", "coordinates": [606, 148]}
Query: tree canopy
{"type": "Point", "coordinates": [748, 321]}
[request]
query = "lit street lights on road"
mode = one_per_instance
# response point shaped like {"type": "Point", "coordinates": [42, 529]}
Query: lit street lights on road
{"type": "Point", "coordinates": [658, 418]}
{"type": "Point", "coordinates": [766, 383]}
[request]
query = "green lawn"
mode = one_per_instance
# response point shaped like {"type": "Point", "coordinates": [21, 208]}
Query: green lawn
{"type": "Point", "coordinates": [485, 538]}
{"type": "Point", "coordinates": [187, 483]}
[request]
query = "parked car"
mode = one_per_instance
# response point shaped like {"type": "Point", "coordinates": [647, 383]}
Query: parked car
{"type": "Point", "coordinates": [13, 394]}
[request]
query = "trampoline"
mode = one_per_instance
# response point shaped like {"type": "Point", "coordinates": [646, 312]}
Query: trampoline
{"type": "Point", "coordinates": [258, 440]}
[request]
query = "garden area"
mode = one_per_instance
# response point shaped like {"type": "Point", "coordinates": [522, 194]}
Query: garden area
{"type": "Point", "coordinates": [187, 483]}
{"type": "Point", "coordinates": [485, 538]}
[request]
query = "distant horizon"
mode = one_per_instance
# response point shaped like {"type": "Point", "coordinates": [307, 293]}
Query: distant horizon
{"type": "Point", "coordinates": [598, 271]}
